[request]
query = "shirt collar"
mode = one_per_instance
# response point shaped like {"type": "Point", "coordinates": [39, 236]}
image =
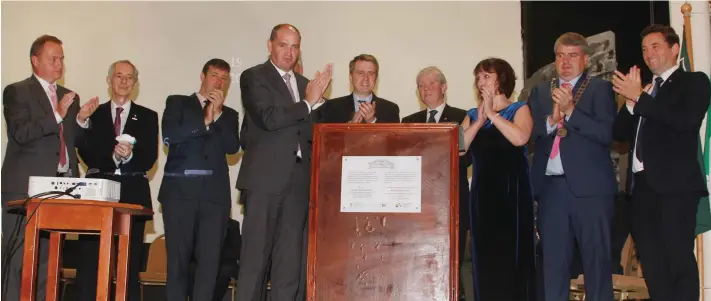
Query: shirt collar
{"type": "Point", "coordinates": [666, 74]}
{"type": "Point", "coordinates": [282, 72]}
{"type": "Point", "coordinates": [45, 84]}
{"type": "Point", "coordinates": [201, 98]}
{"type": "Point", "coordinates": [572, 82]}
{"type": "Point", "coordinates": [367, 99]}
{"type": "Point", "coordinates": [439, 109]}
{"type": "Point", "coordinates": [126, 106]}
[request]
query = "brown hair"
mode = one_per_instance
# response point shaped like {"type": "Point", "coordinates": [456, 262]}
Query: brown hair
{"type": "Point", "coordinates": [505, 74]}
{"type": "Point", "coordinates": [364, 57]}
{"type": "Point", "coordinates": [668, 32]}
{"type": "Point", "coordinates": [37, 45]}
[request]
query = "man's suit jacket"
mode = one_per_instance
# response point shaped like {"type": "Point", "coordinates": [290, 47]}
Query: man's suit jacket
{"type": "Point", "coordinates": [585, 151]}
{"type": "Point", "coordinates": [97, 148]}
{"type": "Point", "coordinates": [193, 146]}
{"type": "Point", "coordinates": [456, 115]}
{"type": "Point", "coordinates": [341, 110]}
{"type": "Point", "coordinates": [33, 135]}
{"type": "Point", "coordinates": [272, 128]}
{"type": "Point", "coordinates": [670, 135]}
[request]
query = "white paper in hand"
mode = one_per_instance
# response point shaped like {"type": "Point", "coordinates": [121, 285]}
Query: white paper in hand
{"type": "Point", "coordinates": [126, 138]}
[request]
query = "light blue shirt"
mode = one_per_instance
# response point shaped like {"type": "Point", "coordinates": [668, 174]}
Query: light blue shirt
{"type": "Point", "coordinates": [368, 99]}
{"type": "Point", "coordinates": [555, 165]}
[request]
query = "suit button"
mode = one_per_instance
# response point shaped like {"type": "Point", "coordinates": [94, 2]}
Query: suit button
{"type": "Point", "coordinates": [298, 132]}
{"type": "Point", "coordinates": [57, 154]}
{"type": "Point", "coordinates": [57, 135]}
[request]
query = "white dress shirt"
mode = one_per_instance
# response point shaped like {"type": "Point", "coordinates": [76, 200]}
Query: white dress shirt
{"type": "Point", "coordinates": [555, 165]}
{"type": "Point", "coordinates": [637, 165]}
{"type": "Point", "coordinates": [123, 117]}
{"type": "Point", "coordinates": [295, 89]}
{"type": "Point", "coordinates": [45, 86]}
{"type": "Point", "coordinates": [437, 115]}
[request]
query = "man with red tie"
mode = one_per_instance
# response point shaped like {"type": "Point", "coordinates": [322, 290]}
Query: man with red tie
{"type": "Point", "coordinates": [572, 173]}
{"type": "Point", "coordinates": [43, 122]}
{"type": "Point", "coordinates": [122, 161]}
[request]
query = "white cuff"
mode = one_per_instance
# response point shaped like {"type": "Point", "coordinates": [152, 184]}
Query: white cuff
{"type": "Point", "coordinates": [550, 128]}
{"type": "Point", "coordinates": [58, 118]}
{"type": "Point", "coordinates": [84, 125]}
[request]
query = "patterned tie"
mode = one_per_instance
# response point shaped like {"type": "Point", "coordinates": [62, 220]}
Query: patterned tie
{"type": "Point", "coordinates": [117, 121]}
{"type": "Point", "coordinates": [287, 79]}
{"type": "Point", "coordinates": [432, 117]}
{"type": "Point", "coordinates": [62, 146]}
{"type": "Point", "coordinates": [638, 150]}
{"type": "Point", "coordinates": [556, 142]}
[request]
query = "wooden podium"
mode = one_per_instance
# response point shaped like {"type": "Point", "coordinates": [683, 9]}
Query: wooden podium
{"type": "Point", "coordinates": [384, 256]}
{"type": "Point", "coordinates": [78, 216]}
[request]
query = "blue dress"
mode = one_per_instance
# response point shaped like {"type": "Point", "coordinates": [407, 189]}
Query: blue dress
{"type": "Point", "coordinates": [501, 208]}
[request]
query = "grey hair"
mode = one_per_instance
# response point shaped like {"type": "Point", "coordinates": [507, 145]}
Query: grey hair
{"type": "Point", "coordinates": [572, 39]}
{"type": "Point", "coordinates": [112, 68]}
{"type": "Point", "coordinates": [431, 69]}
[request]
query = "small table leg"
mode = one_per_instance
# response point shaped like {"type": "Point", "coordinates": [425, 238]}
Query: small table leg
{"type": "Point", "coordinates": [54, 265]}
{"type": "Point", "coordinates": [106, 251]}
{"type": "Point", "coordinates": [29, 259]}
{"type": "Point", "coordinates": [124, 221]}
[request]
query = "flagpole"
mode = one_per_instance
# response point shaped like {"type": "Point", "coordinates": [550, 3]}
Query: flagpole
{"type": "Point", "coordinates": [686, 12]}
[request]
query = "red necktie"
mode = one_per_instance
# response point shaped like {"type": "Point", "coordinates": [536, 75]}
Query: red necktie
{"type": "Point", "coordinates": [556, 142]}
{"type": "Point", "coordinates": [117, 121]}
{"type": "Point", "coordinates": [62, 146]}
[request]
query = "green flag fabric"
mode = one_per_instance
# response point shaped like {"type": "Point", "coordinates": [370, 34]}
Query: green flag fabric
{"type": "Point", "coordinates": [703, 211]}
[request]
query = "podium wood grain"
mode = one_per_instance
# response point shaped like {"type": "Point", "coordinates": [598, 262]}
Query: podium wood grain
{"type": "Point", "coordinates": [392, 256]}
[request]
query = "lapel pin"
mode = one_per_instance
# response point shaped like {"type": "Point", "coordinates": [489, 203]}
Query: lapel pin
{"type": "Point", "coordinates": [134, 117]}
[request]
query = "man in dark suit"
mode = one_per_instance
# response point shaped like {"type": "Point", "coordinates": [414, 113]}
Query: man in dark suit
{"type": "Point", "coordinates": [123, 162]}
{"type": "Point", "coordinates": [432, 89]}
{"type": "Point", "coordinates": [665, 180]}
{"type": "Point", "coordinates": [199, 131]}
{"type": "Point", "coordinates": [360, 106]}
{"type": "Point", "coordinates": [572, 172]}
{"type": "Point", "coordinates": [43, 122]}
{"type": "Point", "coordinates": [275, 174]}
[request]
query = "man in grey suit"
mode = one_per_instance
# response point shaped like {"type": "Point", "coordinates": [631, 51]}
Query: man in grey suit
{"type": "Point", "coordinates": [280, 108]}
{"type": "Point", "coordinates": [43, 121]}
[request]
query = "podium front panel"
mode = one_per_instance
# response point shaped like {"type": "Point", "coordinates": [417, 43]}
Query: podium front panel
{"type": "Point", "coordinates": [384, 256]}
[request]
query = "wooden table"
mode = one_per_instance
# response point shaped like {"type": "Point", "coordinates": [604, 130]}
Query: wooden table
{"type": "Point", "coordinates": [60, 217]}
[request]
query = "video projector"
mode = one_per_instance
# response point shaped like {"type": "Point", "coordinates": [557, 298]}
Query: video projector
{"type": "Point", "coordinates": [86, 188]}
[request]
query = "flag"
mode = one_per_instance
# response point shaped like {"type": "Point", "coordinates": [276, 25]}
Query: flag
{"type": "Point", "coordinates": [703, 211]}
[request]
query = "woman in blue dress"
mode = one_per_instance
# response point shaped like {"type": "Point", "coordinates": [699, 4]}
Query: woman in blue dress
{"type": "Point", "coordinates": [501, 202]}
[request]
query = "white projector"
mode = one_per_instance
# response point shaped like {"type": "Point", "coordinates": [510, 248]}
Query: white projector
{"type": "Point", "coordinates": [85, 189]}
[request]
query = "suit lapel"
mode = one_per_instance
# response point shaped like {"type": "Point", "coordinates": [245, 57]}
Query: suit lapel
{"type": "Point", "coordinates": [131, 121]}
{"type": "Point", "coordinates": [40, 95]}
{"type": "Point", "coordinates": [301, 83]}
{"type": "Point", "coordinates": [445, 114]}
{"type": "Point", "coordinates": [277, 81]}
{"type": "Point", "coordinates": [669, 84]}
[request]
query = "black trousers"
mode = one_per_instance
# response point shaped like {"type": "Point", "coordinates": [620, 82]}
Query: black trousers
{"type": "Point", "coordinates": [663, 229]}
{"type": "Point", "coordinates": [197, 226]}
{"type": "Point", "coordinates": [88, 266]}
{"type": "Point", "coordinates": [272, 236]}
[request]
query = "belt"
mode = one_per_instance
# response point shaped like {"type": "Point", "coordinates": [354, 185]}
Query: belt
{"type": "Point", "coordinates": [189, 173]}
{"type": "Point", "coordinates": [555, 176]}
{"type": "Point", "coordinates": [61, 174]}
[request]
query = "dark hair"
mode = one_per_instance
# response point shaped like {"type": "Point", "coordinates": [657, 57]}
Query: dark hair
{"type": "Point", "coordinates": [276, 28]}
{"type": "Point", "coordinates": [217, 63]}
{"type": "Point", "coordinates": [668, 32]}
{"type": "Point", "coordinates": [366, 58]}
{"type": "Point", "coordinates": [505, 74]}
{"type": "Point", "coordinates": [37, 45]}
